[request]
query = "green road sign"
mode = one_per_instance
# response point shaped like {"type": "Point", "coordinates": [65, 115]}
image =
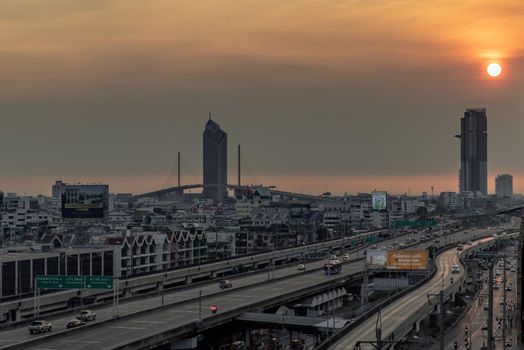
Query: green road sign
{"type": "Point", "coordinates": [99, 282]}
{"type": "Point", "coordinates": [74, 282]}
{"type": "Point", "coordinates": [60, 282]}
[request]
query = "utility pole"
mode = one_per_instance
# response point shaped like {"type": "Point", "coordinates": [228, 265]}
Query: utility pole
{"type": "Point", "coordinates": [504, 305]}
{"type": "Point", "coordinates": [490, 307]}
{"type": "Point", "coordinates": [441, 315]}
{"type": "Point", "coordinates": [364, 297]}
{"type": "Point", "coordinates": [441, 319]}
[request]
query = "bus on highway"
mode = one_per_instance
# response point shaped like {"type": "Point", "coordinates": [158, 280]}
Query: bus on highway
{"type": "Point", "coordinates": [333, 267]}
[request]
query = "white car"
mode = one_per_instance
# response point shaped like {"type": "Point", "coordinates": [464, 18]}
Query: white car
{"type": "Point", "coordinates": [301, 267]}
{"type": "Point", "coordinates": [86, 315]}
{"type": "Point", "coordinates": [40, 327]}
{"type": "Point", "coordinates": [455, 269]}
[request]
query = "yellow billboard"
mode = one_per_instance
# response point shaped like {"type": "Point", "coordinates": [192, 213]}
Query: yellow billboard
{"type": "Point", "coordinates": [407, 259]}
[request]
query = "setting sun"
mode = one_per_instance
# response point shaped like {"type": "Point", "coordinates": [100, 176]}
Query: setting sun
{"type": "Point", "coordinates": [494, 69]}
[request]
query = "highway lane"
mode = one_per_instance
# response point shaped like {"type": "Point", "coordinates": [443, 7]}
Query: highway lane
{"type": "Point", "coordinates": [394, 314]}
{"type": "Point", "coordinates": [241, 297]}
{"type": "Point", "coordinates": [476, 317]}
{"type": "Point", "coordinates": [124, 331]}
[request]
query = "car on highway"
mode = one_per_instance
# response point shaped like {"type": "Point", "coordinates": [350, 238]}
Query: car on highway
{"type": "Point", "coordinates": [86, 315]}
{"type": "Point", "coordinates": [508, 288]}
{"type": "Point", "coordinates": [496, 286]}
{"type": "Point", "coordinates": [224, 284]}
{"type": "Point", "coordinates": [486, 306]}
{"type": "Point", "coordinates": [373, 246]}
{"type": "Point", "coordinates": [501, 302]}
{"type": "Point", "coordinates": [469, 243]}
{"type": "Point", "coordinates": [40, 326]}
{"type": "Point", "coordinates": [497, 273]}
{"type": "Point", "coordinates": [455, 269]}
{"type": "Point", "coordinates": [345, 257]}
{"type": "Point", "coordinates": [74, 323]}
{"type": "Point", "coordinates": [513, 269]}
{"type": "Point", "coordinates": [508, 345]}
{"type": "Point", "coordinates": [301, 267]}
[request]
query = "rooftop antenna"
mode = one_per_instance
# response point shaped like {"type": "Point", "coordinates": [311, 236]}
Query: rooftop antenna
{"type": "Point", "coordinates": [178, 169]}
{"type": "Point", "coordinates": [239, 165]}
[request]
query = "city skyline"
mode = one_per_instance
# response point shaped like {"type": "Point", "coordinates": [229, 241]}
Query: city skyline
{"type": "Point", "coordinates": [322, 96]}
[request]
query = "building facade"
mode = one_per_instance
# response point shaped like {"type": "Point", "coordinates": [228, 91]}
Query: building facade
{"type": "Point", "coordinates": [473, 175]}
{"type": "Point", "coordinates": [504, 185]}
{"type": "Point", "coordinates": [215, 161]}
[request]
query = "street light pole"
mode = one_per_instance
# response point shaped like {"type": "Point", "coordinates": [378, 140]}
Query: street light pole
{"type": "Point", "coordinates": [490, 307]}
{"type": "Point", "coordinates": [200, 304]}
{"type": "Point", "coordinates": [504, 305]}
{"type": "Point", "coordinates": [163, 284]}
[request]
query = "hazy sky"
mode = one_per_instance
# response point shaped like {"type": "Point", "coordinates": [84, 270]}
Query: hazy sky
{"type": "Point", "coordinates": [323, 95]}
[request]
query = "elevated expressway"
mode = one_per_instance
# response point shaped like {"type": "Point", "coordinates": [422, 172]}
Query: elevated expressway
{"type": "Point", "coordinates": [400, 317]}
{"type": "Point", "coordinates": [141, 284]}
{"type": "Point", "coordinates": [144, 323]}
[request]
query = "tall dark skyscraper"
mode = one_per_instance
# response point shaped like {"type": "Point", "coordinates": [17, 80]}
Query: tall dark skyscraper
{"type": "Point", "coordinates": [474, 151]}
{"type": "Point", "coordinates": [215, 161]}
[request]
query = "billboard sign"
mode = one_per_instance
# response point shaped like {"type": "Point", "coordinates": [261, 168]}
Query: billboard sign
{"type": "Point", "coordinates": [407, 259]}
{"type": "Point", "coordinates": [85, 201]}
{"type": "Point", "coordinates": [378, 200]}
{"type": "Point", "coordinates": [376, 258]}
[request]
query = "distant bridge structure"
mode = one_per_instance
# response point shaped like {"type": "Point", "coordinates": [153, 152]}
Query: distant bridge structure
{"type": "Point", "coordinates": [179, 191]}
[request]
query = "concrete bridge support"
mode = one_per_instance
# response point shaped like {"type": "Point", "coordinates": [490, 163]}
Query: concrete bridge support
{"type": "Point", "coordinates": [417, 326]}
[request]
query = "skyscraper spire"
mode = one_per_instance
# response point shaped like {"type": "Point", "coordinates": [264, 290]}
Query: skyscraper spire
{"type": "Point", "coordinates": [209, 115]}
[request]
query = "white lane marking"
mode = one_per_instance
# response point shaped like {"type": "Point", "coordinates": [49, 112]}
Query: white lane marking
{"type": "Point", "coordinates": [152, 322]}
{"type": "Point", "coordinates": [130, 328]}
{"type": "Point", "coordinates": [186, 311]}
{"type": "Point", "coordinates": [80, 341]}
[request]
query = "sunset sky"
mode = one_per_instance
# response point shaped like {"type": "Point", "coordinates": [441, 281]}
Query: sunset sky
{"type": "Point", "coordinates": [323, 95]}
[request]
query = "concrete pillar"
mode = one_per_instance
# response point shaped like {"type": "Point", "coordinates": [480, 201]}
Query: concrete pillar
{"type": "Point", "coordinates": [18, 315]}
{"type": "Point", "coordinates": [247, 340]}
{"type": "Point", "coordinates": [31, 278]}
{"type": "Point", "coordinates": [417, 326]}
{"type": "Point", "coordinates": [17, 283]}
{"type": "Point", "coordinates": [1, 280]}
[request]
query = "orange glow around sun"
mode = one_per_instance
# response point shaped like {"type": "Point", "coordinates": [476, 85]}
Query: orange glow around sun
{"type": "Point", "coordinates": [494, 69]}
